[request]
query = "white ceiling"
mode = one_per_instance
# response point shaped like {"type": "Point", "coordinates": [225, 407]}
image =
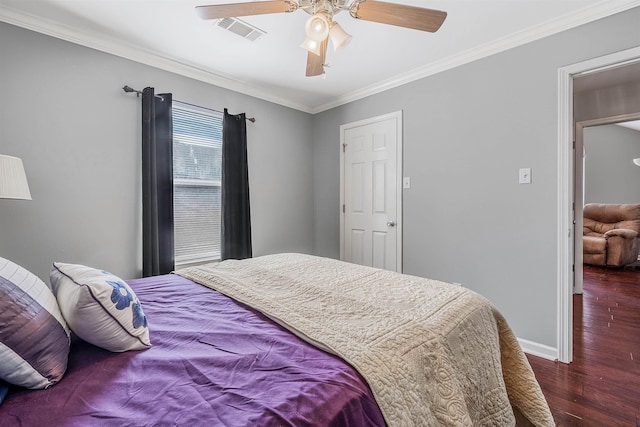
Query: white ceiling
{"type": "Point", "coordinates": [635, 125]}
{"type": "Point", "coordinates": [168, 34]}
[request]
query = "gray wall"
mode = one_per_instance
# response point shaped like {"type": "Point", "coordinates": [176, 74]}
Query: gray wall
{"type": "Point", "coordinates": [610, 175]}
{"type": "Point", "coordinates": [467, 131]}
{"type": "Point", "coordinates": [78, 134]}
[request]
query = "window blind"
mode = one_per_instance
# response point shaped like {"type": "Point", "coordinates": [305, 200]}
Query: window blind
{"type": "Point", "coordinates": [197, 158]}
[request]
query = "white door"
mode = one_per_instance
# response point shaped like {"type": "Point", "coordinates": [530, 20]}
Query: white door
{"type": "Point", "coordinates": [578, 205]}
{"type": "Point", "coordinates": [371, 192]}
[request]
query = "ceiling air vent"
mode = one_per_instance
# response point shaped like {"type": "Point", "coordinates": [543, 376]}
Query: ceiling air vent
{"type": "Point", "coordinates": [241, 28]}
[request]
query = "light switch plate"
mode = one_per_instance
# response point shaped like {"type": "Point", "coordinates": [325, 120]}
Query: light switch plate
{"type": "Point", "coordinates": [525, 176]}
{"type": "Point", "coordinates": [406, 182]}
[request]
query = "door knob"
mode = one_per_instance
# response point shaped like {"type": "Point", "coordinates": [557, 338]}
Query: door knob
{"type": "Point", "coordinates": [391, 224]}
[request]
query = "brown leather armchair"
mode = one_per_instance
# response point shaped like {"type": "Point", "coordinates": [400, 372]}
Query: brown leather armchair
{"type": "Point", "coordinates": [611, 234]}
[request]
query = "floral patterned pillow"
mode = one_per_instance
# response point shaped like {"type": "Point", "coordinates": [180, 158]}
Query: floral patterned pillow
{"type": "Point", "coordinates": [99, 307]}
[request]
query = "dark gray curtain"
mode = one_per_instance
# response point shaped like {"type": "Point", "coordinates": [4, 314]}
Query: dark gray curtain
{"type": "Point", "coordinates": [236, 215]}
{"type": "Point", "coordinates": [157, 184]}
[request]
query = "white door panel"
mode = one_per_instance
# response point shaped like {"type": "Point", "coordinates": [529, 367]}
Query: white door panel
{"type": "Point", "coordinates": [371, 192]}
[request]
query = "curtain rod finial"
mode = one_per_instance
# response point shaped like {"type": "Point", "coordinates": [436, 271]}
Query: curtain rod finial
{"type": "Point", "coordinates": [129, 89]}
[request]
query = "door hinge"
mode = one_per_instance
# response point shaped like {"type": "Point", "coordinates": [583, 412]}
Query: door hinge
{"type": "Point", "coordinates": [344, 148]}
{"type": "Point", "coordinates": [574, 144]}
{"type": "Point", "coordinates": [343, 209]}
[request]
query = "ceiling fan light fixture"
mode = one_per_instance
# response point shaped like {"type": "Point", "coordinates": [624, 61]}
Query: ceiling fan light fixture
{"type": "Point", "coordinates": [339, 37]}
{"type": "Point", "coordinates": [311, 45]}
{"type": "Point", "coordinates": [320, 28]}
{"type": "Point", "coordinates": [317, 27]}
{"type": "Point", "coordinates": [636, 161]}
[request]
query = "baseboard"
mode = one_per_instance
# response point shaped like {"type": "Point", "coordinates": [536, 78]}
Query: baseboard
{"type": "Point", "coordinates": [540, 350]}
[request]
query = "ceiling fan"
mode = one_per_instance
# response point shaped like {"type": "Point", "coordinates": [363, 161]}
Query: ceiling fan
{"type": "Point", "coordinates": [321, 27]}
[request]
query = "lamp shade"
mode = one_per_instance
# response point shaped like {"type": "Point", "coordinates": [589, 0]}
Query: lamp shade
{"type": "Point", "coordinates": [312, 46]}
{"type": "Point", "coordinates": [637, 161]}
{"type": "Point", "coordinates": [13, 181]}
{"type": "Point", "coordinates": [317, 27]}
{"type": "Point", "coordinates": [339, 37]}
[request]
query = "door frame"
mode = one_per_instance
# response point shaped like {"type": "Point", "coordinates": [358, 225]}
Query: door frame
{"type": "Point", "coordinates": [579, 187]}
{"type": "Point", "coordinates": [397, 115]}
{"type": "Point", "coordinates": [565, 190]}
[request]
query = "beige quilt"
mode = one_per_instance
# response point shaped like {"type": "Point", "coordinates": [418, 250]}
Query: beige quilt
{"type": "Point", "coordinates": [432, 353]}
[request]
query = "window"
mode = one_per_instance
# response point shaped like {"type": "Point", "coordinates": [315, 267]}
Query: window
{"type": "Point", "coordinates": [197, 158]}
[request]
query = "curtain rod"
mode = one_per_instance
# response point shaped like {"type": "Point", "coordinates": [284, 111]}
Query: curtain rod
{"type": "Point", "coordinates": [137, 92]}
{"type": "Point", "coordinates": [129, 89]}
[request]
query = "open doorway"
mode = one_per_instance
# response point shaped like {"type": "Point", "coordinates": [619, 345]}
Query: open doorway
{"type": "Point", "coordinates": [605, 171]}
{"type": "Point", "coordinates": [575, 106]}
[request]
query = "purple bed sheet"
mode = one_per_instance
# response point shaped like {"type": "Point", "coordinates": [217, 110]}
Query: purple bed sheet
{"type": "Point", "coordinates": [214, 362]}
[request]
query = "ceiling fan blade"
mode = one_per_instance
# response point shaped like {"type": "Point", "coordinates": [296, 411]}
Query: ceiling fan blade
{"type": "Point", "coordinates": [417, 18]}
{"type": "Point", "coordinates": [245, 9]}
{"type": "Point", "coordinates": [315, 63]}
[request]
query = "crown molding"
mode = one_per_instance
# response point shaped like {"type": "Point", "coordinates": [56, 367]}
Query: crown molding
{"type": "Point", "coordinates": [554, 26]}
{"type": "Point", "coordinates": [135, 53]}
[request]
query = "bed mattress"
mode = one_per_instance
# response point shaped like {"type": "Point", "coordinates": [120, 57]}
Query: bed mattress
{"type": "Point", "coordinates": [432, 353]}
{"type": "Point", "coordinates": [213, 362]}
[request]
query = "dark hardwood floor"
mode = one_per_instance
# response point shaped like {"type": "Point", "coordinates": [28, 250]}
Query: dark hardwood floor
{"type": "Point", "coordinates": [601, 387]}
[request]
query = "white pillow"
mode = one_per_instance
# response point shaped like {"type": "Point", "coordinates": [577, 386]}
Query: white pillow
{"type": "Point", "coordinates": [34, 338]}
{"type": "Point", "coordinates": [99, 307]}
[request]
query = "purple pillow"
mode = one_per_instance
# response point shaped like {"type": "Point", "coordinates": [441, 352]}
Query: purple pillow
{"type": "Point", "coordinates": [34, 338]}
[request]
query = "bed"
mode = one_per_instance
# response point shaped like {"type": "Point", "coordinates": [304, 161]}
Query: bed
{"type": "Point", "coordinates": [296, 340]}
